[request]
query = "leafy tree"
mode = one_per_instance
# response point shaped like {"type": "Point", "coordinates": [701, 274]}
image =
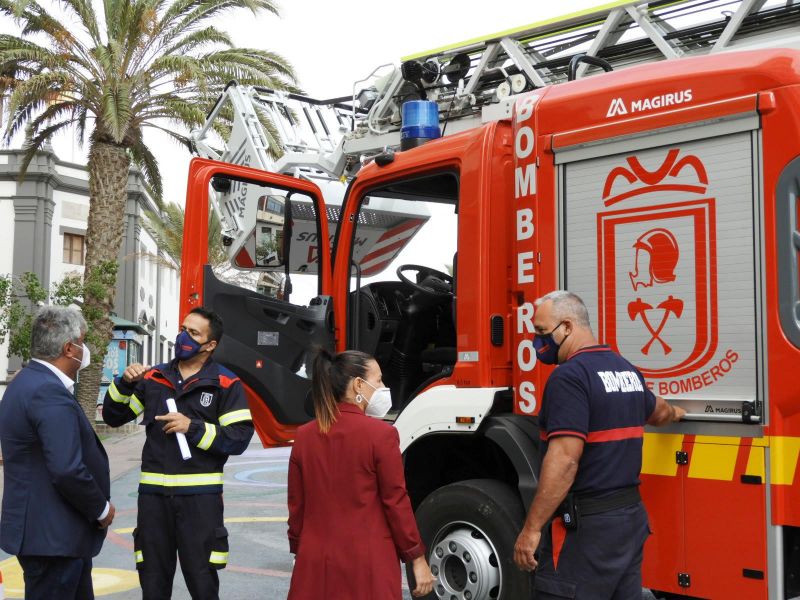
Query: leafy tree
{"type": "Point", "coordinates": [139, 65]}
{"type": "Point", "coordinates": [19, 299]}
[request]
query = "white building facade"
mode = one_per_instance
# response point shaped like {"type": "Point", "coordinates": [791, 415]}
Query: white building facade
{"type": "Point", "coordinates": [43, 221]}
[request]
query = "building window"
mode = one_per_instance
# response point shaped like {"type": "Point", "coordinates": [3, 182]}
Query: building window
{"type": "Point", "coordinates": [73, 248]}
{"type": "Point", "coordinates": [134, 352]}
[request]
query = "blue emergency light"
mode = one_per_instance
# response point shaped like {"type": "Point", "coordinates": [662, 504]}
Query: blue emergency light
{"type": "Point", "coordinates": [420, 123]}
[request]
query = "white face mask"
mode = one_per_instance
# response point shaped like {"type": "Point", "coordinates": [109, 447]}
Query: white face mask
{"type": "Point", "coordinates": [380, 403]}
{"type": "Point", "coordinates": [86, 358]}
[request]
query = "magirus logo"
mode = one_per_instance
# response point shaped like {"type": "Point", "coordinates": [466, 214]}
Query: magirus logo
{"type": "Point", "coordinates": [618, 106]}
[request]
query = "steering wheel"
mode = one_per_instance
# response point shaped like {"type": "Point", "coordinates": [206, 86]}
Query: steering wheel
{"type": "Point", "coordinates": [442, 283]}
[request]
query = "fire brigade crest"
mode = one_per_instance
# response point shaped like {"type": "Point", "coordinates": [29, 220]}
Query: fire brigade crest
{"type": "Point", "coordinates": [206, 398]}
{"type": "Point", "coordinates": [657, 264]}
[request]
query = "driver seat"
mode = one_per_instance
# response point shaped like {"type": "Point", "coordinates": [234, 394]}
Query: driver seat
{"type": "Point", "coordinates": [437, 359]}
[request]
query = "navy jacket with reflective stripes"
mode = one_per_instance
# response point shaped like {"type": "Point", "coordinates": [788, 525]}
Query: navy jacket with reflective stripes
{"type": "Point", "coordinates": [221, 425]}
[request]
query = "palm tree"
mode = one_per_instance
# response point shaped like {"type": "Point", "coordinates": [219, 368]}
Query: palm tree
{"type": "Point", "coordinates": [166, 228]}
{"type": "Point", "coordinates": [142, 64]}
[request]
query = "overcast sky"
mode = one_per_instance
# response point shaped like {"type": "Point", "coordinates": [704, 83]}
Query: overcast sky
{"type": "Point", "coordinates": [332, 43]}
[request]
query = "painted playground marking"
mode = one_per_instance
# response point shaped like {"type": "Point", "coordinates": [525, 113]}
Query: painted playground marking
{"type": "Point", "coordinates": [105, 581]}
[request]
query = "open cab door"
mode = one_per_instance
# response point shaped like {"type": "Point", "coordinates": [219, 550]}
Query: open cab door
{"type": "Point", "coordinates": [267, 242]}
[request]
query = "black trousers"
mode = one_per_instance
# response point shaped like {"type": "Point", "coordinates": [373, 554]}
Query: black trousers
{"type": "Point", "coordinates": [189, 527]}
{"type": "Point", "coordinates": [57, 577]}
{"type": "Point", "coordinates": [600, 560]}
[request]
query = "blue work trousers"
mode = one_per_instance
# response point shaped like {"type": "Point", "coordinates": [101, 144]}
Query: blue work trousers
{"type": "Point", "coordinates": [599, 560]}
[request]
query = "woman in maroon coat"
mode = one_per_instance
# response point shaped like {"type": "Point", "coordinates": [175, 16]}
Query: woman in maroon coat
{"type": "Point", "coordinates": [350, 519]}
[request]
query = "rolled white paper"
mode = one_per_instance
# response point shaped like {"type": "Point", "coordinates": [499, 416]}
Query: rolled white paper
{"type": "Point", "coordinates": [183, 444]}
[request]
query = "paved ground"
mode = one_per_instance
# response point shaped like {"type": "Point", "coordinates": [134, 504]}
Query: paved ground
{"type": "Point", "coordinates": [255, 512]}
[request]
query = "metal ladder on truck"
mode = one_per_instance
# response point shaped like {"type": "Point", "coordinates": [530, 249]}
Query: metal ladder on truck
{"type": "Point", "coordinates": [475, 82]}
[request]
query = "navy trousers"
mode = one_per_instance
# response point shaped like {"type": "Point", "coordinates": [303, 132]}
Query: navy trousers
{"type": "Point", "coordinates": [189, 528]}
{"type": "Point", "coordinates": [599, 560]}
{"type": "Point", "coordinates": [57, 577]}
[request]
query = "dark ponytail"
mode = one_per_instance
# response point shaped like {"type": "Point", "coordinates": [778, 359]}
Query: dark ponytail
{"type": "Point", "coordinates": [331, 376]}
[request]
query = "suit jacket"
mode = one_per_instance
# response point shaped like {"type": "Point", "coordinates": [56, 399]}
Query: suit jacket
{"type": "Point", "coordinates": [350, 519]}
{"type": "Point", "coordinates": [56, 477]}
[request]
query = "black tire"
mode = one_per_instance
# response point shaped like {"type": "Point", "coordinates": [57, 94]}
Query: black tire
{"type": "Point", "coordinates": [481, 506]}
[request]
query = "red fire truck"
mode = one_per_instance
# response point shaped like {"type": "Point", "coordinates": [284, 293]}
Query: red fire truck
{"type": "Point", "coordinates": [667, 195]}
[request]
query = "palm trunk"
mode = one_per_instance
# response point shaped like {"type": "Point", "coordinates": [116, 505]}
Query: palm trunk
{"type": "Point", "coordinates": [108, 192]}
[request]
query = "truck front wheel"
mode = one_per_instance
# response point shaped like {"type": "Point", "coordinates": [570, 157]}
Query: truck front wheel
{"type": "Point", "coordinates": [469, 529]}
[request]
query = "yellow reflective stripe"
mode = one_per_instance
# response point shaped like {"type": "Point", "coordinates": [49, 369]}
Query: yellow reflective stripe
{"type": "Point", "coordinates": [208, 437]}
{"type": "Point", "coordinates": [181, 480]}
{"type": "Point", "coordinates": [724, 440]}
{"type": "Point", "coordinates": [116, 395]}
{"type": "Point", "coordinates": [785, 452]}
{"type": "Point", "coordinates": [139, 556]}
{"type": "Point", "coordinates": [136, 405]}
{"type": "Point", "coordinates": [658, 453]}
{"type": "Point", "coordinates": [218, 558]}
{"type": "Point", "coordinates": [755, 463]}
{"type": "Point", "coordinates": [715, 457]}
{"type": "Point", "coordinates": [235, 417]}
{"type": "Point", "coordinates": [713, 461]}
{"type": "Point", "coordinates": [132, 401]}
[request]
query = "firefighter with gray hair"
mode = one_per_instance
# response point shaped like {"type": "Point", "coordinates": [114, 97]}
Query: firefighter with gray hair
{"type": "Point", "coordinates": [587, 520]}
{"type": "Point", "coordinates": [57, 490]}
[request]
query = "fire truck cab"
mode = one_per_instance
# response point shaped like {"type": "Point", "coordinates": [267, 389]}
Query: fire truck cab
{"type": "Point", "coordinates": [666, 196]}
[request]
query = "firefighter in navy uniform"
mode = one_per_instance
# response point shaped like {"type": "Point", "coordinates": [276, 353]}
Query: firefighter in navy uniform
{"type": "Point", "coordinates": [587, 512]}
{"type": "Point", "coordinates": [180, 501]}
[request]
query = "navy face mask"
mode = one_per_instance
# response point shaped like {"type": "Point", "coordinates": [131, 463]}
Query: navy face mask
{"type": "Point", "coordinates": [186, 347]}
{"type": "Point", "coordinates": [546, 347]}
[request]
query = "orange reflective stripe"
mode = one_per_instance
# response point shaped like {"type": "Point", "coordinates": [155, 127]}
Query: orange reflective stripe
{"type": "Point", "coordinates": [158, 377]}
{"type": "Point", "coordinates": [227, 382]}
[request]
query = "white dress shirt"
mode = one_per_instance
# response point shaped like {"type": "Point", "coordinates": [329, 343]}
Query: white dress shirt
{"type": "Point", "coordinates": [70, 385]}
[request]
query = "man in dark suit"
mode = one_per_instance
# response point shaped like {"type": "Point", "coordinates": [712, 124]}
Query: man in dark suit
{"type": "Point", "coordinates": [56, 507]}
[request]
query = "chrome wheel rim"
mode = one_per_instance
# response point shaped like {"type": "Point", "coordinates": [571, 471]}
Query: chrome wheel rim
{"type": "Point", "coordinates": [465, 564]}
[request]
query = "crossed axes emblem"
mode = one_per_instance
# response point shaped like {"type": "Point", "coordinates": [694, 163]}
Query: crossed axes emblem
{"type": "Point", "coordinates": [670, 306]}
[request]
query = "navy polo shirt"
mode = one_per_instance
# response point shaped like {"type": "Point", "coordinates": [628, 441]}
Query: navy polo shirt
{"type": "Point", "coordinates": [600, 397]}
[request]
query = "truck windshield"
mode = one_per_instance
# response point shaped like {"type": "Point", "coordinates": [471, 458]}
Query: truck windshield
{"type": "Point", "coordinates": [403, 285]}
